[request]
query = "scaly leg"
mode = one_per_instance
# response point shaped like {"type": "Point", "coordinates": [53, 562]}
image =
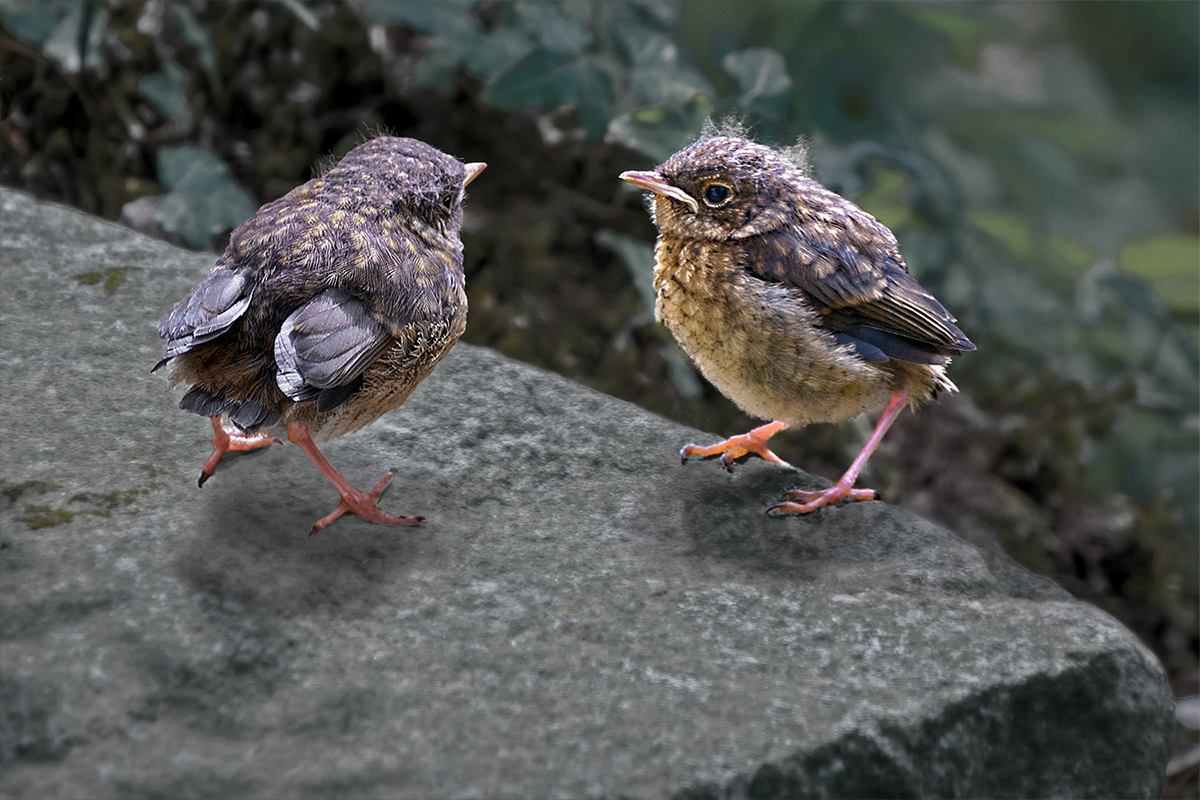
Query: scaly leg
{"type": "Point", "coordinates": [843, 489]}
{"type": "Point", "coordinates": [226, 441]}
{"type": "Point", "coordinates": [736, 447]}
{"type": "Point", "coordinates": [353, 501]}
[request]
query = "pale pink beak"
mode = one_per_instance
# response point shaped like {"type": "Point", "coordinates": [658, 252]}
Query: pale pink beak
{"type": "Point", "coordinates": [473, 170]}
{"type": "Point", "coordinates": [653, 182]}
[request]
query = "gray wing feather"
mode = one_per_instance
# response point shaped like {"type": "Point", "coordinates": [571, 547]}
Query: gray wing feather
{"type": "Point", "coordinates": [325, 344]}
{"type": "Point", "coordinates": [209, 311]}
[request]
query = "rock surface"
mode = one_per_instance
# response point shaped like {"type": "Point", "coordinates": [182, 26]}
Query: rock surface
{"type": "Point", "coordinates": [579, 616]}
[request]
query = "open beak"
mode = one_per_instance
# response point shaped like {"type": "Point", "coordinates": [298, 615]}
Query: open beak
{"type": "Point", "coordinates": [473, 170]}
{"type": "Point", "coordinates": [653, 182]}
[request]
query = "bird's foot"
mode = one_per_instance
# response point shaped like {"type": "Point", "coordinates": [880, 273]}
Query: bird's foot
{"type": "Point", "coordinates": [738, 447]}
{"type": "Point", "coordinates": [365, 505]}
{"type": "Point", "coordinates": [227, 441]}
{"type": "Point", "coordinates": [824, 497]}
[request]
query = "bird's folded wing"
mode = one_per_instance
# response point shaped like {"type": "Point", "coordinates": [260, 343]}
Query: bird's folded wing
{"type": "Point", "coordinates": [206, 313]}
{"type": "Point", "coordinates": [857, 281]}
{"type": "Point", "coordinates": [324, 346]}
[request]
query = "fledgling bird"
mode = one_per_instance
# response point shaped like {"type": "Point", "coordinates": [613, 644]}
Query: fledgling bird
{"type": "Point", "coordinates": [793, 301]}
{"type": "Point", "coordinates": [327, 309]}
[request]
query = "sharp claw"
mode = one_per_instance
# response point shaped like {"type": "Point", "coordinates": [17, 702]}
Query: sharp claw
{"type": "Point", "coordinates": [357, 504]}
{"type": "Point", "coordinates": [225, 442]}
{"type": "Point", "coordinates": [738, 447]}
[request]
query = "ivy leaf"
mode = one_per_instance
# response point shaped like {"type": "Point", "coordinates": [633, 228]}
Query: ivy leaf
{"type": "Point", "coordinates": [68, 33]}
{"type": "Point", "coordinates": [484, 55]}
{"type": "Point", "coordinates": [487, 55]}
{"type": "Point", "coordinates": [555, 31]}
{"type": "Point", "coordinates": [660, 131]}
{"type": "Point", "coordinates": [658, 76]}
{"type": "Point", "coordinates": [438, 68]}
{"type": "Point", "coordinates": [638, 257]}
{"type": "Point", "coordinates": [760, 73]}
{"type": "Point", "coordinates": [446, 17]}
{"type": "Point", "coordinates": [962, 31]}
{"type": "Point", "coordinates": [31, 22]}
{"type": "Point", "coordinates": [195, 35]}
{"type": "Point", "coordinates": [167, 92]}
{"type": "Point", "coordinates": [546, 78]}
{"type": "Point", "coordinates": [1168, 262]}
{"type": "Point", "coordinates": [203, 198]}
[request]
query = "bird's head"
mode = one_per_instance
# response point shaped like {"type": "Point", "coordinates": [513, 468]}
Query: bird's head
{"type": "Point", "coordinates": [722, 188]}
{"type": "Point", "coordinates": [407, 178]}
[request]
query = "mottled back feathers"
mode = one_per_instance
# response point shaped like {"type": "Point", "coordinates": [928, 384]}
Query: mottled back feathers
{"type": "Point", "coordinates": [319, 284]}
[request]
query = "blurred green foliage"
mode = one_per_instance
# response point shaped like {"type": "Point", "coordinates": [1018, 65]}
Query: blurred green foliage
{"type": "Point", "coordinates": [1038, 163]}
{"type": "Point", "coordinates": [202, 198]}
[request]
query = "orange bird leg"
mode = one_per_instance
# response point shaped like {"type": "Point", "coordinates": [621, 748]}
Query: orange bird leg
{"type": "Point", "coordinates": [226, 441]}
{"type": "Point", "coordinates": [361, 503]}
{"type": "Point", "coordinates": [843, 489]}
{"type": "Point", "coordinates": [737, 447]}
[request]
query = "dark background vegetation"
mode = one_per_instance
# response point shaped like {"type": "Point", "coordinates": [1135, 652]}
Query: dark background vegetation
{"type": "Point", "coordinates": [1038, 162]}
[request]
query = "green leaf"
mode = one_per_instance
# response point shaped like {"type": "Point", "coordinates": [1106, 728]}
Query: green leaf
{"type": "Point", "coordinates": [496, 51]}
{"type": "Point", "coordinates": [680, 368]}
{"type": "Point", "coordinates": [638, 258]}
{"type": "Point", "coordinates": [1075, 253]}
{"type": "Point", "coordinates": [963, 32]}
{"type": "Point", "coordinates": [438, 68]}
{"type": "Point", "coordinates": [884, 200]}
{"type": "Point", "coordinates": [62, 46]}
{"type": "Point", "coordinates": [484, 55]}
{"type": "Point", "coordinates": [1076, 135]}
{"type": "Point", "coordinates": [68, 33]}
{"type": "Point", "coordinates": [660, 132]}
{"type": "Point", "coordinates": [167, 92]}
{"type": "Point", "coordinates": [1008, 229]}
{"type": "Point", "coordinates": [203, 198]}
{"type": "Point", "coordinates": [659, 76]}
{"type": "Point", "coordinates": [760, 72]}
{"type": "Point", "coordinates": [196, 35]}
{"type": "Point", "coordinates": [445, 17]}
{"type": "Point", "coordinates": [546, 78]}
{"type": "Point", "coordinates": [301, 12]}
{"type": "Point", "coordinates": [554, 31]}
{"type": "Point", "coordinates": [32, 21]}
{"type": "Point", "coordinates": [1171, 262]}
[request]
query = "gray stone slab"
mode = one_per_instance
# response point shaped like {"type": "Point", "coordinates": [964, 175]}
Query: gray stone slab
{"type": "Point", "coordinates": [579, 616]}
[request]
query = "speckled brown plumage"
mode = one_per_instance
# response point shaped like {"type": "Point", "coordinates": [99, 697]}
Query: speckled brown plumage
{"type": "Point", "coordinates": [793, 301]}
{"type": "Point", "coordinates": [328, 307]}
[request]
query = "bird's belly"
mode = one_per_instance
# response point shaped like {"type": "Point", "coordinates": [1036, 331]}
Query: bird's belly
{"type": "Point", "coordinates": [758, 344]}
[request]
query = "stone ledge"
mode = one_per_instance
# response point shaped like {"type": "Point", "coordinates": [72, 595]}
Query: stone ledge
{"type": "Point", "coordinates": [580, 615]}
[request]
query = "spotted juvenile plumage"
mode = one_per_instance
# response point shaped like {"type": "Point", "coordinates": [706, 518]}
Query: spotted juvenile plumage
{"type": "Point", "coordinates": [793, 301]}
{"type": "Point", "coordinates": [328, 307]}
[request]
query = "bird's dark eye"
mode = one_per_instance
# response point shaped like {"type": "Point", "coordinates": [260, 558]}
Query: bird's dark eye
{"type": "Point", "coordinates": [716, 194]}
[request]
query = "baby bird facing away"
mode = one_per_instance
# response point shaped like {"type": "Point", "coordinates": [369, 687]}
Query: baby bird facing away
{"type": "Point", "coordinates": [793, 301]}
{"type": "Point", "coordinates": [327, 309]}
